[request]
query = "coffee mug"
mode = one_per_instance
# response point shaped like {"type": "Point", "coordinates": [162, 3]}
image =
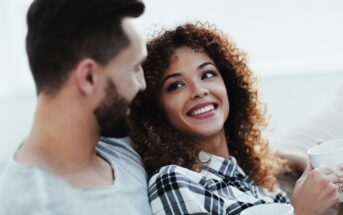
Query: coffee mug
{"type": "Point", "coordinates": [328, 155]}
{"type": "Point", "coordinates": [269, 209]}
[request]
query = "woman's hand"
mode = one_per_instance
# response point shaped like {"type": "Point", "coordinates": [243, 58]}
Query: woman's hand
{"type": "Point", "coordinates": [315, 192]}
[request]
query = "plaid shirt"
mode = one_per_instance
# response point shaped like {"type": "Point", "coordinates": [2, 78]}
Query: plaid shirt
{"type": "Point", "coordinates": [220, 188]}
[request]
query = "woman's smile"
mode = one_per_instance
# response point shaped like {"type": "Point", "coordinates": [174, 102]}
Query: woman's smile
{"type": "Point", "coordinates": [203, 111]}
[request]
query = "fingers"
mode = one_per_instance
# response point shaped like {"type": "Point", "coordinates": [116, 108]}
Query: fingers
{"type": "Point", "coordinates": [327, 185]}
{"type": "Point", "coordinates": [307, 169]}
{"type": "Point", "coordinates": [323, 169]}
{"type": "Point", "coordinates": [333, 193]}
{"type": "Point", "coordinates": [334, 178]}
{"type": "Point", "coordinates": [340, 188]}
{"type": "Point", "coordinates": [329, 174]}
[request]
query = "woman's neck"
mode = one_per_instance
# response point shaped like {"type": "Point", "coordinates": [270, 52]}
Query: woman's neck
{"type": "Point", "coordinates": [216, 145]}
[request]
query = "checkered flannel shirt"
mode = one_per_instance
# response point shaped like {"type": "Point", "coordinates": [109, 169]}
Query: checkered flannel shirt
{"type": "Point", "coordinates": [220, 188]}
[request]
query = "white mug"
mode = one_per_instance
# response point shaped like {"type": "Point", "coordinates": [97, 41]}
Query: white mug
{"type": "Point", "coordinates": [330, 155]}
{"type": "Point", "coordinates": [269, 209]}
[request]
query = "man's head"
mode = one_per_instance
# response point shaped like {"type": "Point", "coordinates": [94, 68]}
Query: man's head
{"type": "Point", "coordinates": [63, 32]}
{"type": "Point", "coordinates": [91, 46]}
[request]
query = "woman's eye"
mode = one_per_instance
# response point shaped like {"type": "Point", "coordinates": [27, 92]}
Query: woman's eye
{"type": "Point", "coordinates": [208, 74]}
{"type": "Point", "coordinates": [174, 86]}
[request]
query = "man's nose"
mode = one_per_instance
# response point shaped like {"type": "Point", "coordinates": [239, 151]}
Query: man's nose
{"type": "Point", "coordinates": [141, 81]}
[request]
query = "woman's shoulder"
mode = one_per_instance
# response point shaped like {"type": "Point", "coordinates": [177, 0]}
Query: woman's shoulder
{"type": "Point", "coordinates": [173, 188]}
{"type": "Point", "coordinates": [174, 174]}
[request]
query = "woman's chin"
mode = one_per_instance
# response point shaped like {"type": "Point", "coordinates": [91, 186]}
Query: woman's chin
{"type": "Point", "coordinates": [208, 132]}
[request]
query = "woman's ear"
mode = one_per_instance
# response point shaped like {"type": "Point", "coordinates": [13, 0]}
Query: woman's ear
{"type": "Point", "coordinates": [86, 76]}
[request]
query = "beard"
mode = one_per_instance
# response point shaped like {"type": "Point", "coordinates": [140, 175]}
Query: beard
{"type": "Point", "coordinates": [111, 114]}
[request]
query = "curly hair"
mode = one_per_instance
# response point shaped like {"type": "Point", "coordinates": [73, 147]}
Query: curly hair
{"type": "Point", "coordinates": [160, 144]}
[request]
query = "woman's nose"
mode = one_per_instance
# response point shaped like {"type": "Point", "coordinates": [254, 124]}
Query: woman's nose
{"type": "Point", "coordinates": [199, 91]}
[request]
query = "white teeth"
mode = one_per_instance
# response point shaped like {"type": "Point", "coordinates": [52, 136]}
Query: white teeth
{"type": "Point", "coordinates": [202, 110]}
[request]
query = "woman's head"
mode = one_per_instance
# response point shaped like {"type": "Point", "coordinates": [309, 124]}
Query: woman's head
{"type": "Point", "coordinates": [198, 83]}
{"type": "Point", "coordinates": [192, 95]}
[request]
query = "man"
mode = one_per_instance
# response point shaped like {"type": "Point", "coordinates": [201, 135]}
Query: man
{"type": "Point", "coordinates": [85, 57]}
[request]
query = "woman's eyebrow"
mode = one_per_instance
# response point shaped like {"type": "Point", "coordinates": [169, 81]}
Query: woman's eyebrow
{"type": "Point", "coordinates": [205, 64]}
{"type": "Point", "coordinates": [176, 74]}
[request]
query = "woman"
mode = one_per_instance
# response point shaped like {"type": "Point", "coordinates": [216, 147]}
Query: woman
{"type": "Point", "coordinates": [198, 127]}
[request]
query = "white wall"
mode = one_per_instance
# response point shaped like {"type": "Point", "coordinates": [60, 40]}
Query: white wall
{"type": "Point", "coordinates": [281, 37]}
{"type": "Point", "coordinates": [292, 99]}
{"type": "Point", "coordinates": [294, 46]}
{"type": "Point", "coordinates": [14, 70]}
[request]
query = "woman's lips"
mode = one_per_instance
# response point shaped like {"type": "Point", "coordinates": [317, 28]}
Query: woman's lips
{"type": "Point", "coordinates": [203, 111]}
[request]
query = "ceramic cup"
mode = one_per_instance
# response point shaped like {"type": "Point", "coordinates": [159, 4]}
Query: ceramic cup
{"type": "Point", "coordinates": [269, 209]}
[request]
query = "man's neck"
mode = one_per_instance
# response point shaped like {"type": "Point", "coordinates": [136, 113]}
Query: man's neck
{"type": "Point", "coordinates": [62, 140]}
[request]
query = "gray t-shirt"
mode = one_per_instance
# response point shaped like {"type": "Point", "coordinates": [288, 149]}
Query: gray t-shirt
{"type": "Point", "coordinates": [32, 190]}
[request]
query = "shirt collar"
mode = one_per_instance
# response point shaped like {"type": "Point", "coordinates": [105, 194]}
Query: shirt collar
{"type": "Point", "coordinates": [220, 165]}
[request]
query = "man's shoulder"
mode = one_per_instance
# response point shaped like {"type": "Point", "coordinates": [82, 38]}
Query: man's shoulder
{"type": "Point", "coordinates": [118, 147]}
{"type": "Point", "coordinates": [121, 152]}
{"type": "Point", "coordinates": [32, 190]}
{"type": "Point", "coordinates": [13, 187]}
{"type": "Point", "coordinates": [28, 189]}
{"type": "Point", "coordinates": [17, 178]}
{"type": "Point", "coordinates": [116, 143]}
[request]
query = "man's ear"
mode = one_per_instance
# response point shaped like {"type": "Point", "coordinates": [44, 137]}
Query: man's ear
{"type": "Point", "coordinates": [87, 76]}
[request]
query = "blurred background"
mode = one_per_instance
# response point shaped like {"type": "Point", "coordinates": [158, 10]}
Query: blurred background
{"type": "Point", "coordinates": [295, 48]}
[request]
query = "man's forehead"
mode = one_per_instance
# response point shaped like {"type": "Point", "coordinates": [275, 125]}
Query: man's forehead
{"type": "Point", "coordinates": [137, 41]}
{"type": "Point", "coordinates": [133, 31]}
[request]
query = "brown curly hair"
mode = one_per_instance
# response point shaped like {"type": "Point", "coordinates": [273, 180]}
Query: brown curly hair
{"type": "Point", "coordinates": [160, 144]}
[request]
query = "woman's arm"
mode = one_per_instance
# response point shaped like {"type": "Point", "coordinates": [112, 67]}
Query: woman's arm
{"type": "Point", "coordinates": [297, 160]}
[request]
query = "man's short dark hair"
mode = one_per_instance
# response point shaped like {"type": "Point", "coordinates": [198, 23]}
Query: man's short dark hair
{"type": "Point", "coordinates": [62, 32]}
